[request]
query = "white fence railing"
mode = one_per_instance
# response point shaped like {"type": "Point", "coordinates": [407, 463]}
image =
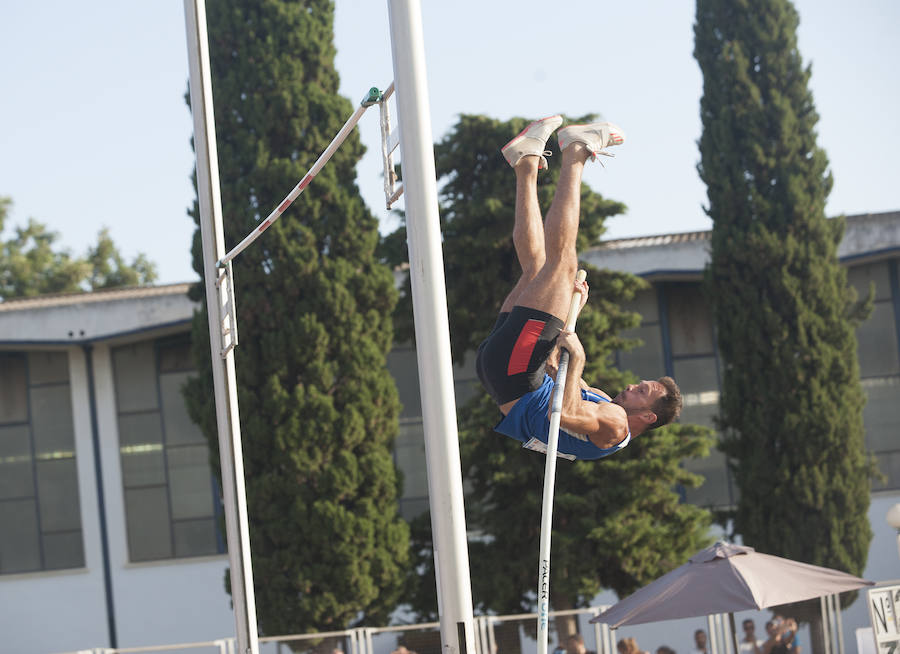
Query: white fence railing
{"type": "Point", "coordinates": [494, 634]}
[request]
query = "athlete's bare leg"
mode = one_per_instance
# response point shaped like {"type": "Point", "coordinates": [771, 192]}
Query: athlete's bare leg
{"type": "Point", "coordinates": [528, 232]}
{"type": "Point", "coordinates": [550, 289]}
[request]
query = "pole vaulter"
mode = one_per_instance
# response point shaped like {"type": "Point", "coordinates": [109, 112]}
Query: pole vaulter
{"type": "Point", "coordinates": [530, 344]}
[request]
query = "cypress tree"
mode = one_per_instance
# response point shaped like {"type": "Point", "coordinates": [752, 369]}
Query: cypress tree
{"type": "Point", "coordinates": [618, 523]}
{"type": "Point", "coordinates": [791, 403]}
{"type": "Point", "coordinates": [318, 407]}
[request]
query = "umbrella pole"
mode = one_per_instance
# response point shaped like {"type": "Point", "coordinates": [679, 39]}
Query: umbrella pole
{"type": "Point", "coordinates": [543, 635]}
{"type": "Point", "coordinates": [713, 634]}
{"type": "Point", "coordinates": [734, 637]}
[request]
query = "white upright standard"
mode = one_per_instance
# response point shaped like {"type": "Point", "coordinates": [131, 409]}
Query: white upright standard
{"type": "Point", "coordinates": [222, 329]}
{"type": "Point", "coordinates": [426, 268]}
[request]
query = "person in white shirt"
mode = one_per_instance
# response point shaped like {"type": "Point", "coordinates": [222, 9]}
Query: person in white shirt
{"type": "Point", "coordinates": [750, 644]}
{"type": "Point", "coordinates": [699, 642]}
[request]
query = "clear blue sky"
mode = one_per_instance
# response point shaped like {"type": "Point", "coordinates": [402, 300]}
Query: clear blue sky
{"type": "Point", "coordinates": [94, 130]}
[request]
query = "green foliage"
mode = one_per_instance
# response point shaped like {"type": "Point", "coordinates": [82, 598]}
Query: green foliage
{"type": "Point", "coordinates": [318, 407]}
{"type": "Point", "coordinates": [32, 264]}
{"type": "Point", "coordinates": [791, 404]}
{"type": "Point", "coordinates": [109, 269]}
{"type": "Point", "coordinates": [618, 523]}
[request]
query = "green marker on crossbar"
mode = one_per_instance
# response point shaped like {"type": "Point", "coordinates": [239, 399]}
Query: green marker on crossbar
{"type": "Point", "coordinates": [372, 97]}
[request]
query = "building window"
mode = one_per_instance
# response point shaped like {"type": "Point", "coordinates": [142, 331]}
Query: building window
{"type": "Point", "coordinates": [171, 498]}
{"type": "Point", "coordinates": [40, 512]}
{"type": "Point", "coordinates": [694, 364]}
{"type": "Point", "coordinates": [409, 447]}
{"type": "Point", "coordinates": [878, 348]}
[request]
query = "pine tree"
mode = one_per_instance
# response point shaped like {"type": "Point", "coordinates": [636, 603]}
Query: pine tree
{"type": "Point", "coordinates": [791, 404]}
{"type": "Point", "coordinates": [617, 523]}
{"type": "Point", "coordinates": [31, 263]}
{"type": "Point", "coordinates": [318, 407]}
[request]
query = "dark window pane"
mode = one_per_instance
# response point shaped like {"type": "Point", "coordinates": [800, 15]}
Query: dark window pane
{"type": "Point", "coordinates": [403, 366]}
{"type": "Point", "coordinates": [465, 380]}
{"type": "Point", "coordinates": [646, 304]}
{"type": "Point", "coordinates": [15, 441]}
{"type": "Point", "coordinates": [175, 357]}
{"type": "Point", "coordinates": [190, 482]}
{"type": "Point", "coordinates": [63, 550]}
{"type": "Point", "coordinates": [690, 329]}
{"type": "Point", "coordinates": [701, 411]}
{"type": "Point", "coordinates": [179, 427]}
{"type": "Point", "coordinates": [409, 453]}
{"type": "Point", "coordinates": [696, 376]}
{"type": "Point", "coordinates": [147, 515]}
{"type": "Point", "coordinates": [143, 466]}
{"type": "Point", "coordinates": [58, 495]}
{"type": "Point", "coordinates": [889, 465]}
{"type": "Point", "coordinates": [19, 545]}
{"type": "Point", "coordinates": [16, 480]}
{"type": "Point", "coordinates": [135, 374]}
{"type": "Point", "coordinates": [139, 429]}
{"type": "Point", "coordinates": [714, 491]}
{"type": "Point", "coordinates": [860, 277]}
{"type": "Point", "coordinates": [646, 361]}
{"type": "Point", "coordinates": [51, 420]}
{"type": "Point", "coordinates": [195, 537]}
{"type": "Point", "coordinates": [48, 367]}
{"type": "Point", "coordinates": [413, 507]}
{"type": "Point", "coordinates": [13, 389]}
{"type": "Point", "coordinates": [881, 415]}
{"type": "Point", "coordinates": [877, 343]}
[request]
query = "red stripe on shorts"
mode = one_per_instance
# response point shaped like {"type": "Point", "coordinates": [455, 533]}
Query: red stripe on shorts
{"type": "Point", "coordinates": [521, 353]}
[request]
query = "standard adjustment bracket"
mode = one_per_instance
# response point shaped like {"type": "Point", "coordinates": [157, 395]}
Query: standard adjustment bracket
{"type": "Point", "coordinates": [227, 310]}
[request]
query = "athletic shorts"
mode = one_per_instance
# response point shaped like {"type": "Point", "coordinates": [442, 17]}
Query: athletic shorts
{"type": "Point", "coordinates": [511, 360]}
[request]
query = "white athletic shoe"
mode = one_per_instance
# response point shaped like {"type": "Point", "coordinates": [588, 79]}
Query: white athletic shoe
{"type": "Point", "coordinates": [532, 140]}
{"type": "Point", "coordinates": [596, 136]}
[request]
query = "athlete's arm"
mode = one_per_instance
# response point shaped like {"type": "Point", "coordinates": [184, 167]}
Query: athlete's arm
{"type": "Point", "coordinates": [604, 424]}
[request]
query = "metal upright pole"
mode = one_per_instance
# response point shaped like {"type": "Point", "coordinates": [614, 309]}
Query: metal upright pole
{"type": "Point", "coordinates": [222, 329]}
{"type": "Point", "coordinates": [432, 330]}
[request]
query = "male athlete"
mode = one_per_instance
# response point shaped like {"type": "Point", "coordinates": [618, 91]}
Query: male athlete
{"type": "Point", "coordinates": [512, 362]}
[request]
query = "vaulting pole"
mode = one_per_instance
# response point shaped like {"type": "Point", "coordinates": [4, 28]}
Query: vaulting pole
{"type": "Point", "coordinates": [429, 294]}
{"type": "Point", "coordinates": [550, 479]}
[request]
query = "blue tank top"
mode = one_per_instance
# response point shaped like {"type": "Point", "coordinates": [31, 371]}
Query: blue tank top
{"type": "Point", "coordinates": [529, 423]}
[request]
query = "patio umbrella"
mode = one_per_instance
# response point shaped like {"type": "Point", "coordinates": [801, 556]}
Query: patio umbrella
{"type": "Point", "coordinates": [726, 578]}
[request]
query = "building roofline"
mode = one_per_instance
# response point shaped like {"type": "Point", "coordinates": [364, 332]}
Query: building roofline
{"type": "Point", "coordinates": [86, 297]}
{"type": "Point", "coordinates": [705, 235]}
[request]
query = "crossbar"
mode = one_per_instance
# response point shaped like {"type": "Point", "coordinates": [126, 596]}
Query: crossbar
{"type": "Point", "coordinates": [372, 97]}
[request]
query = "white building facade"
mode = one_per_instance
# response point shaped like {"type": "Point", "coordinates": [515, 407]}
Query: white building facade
{"type": "Point", "coordinates": [108, 527]}
{"type": "Point", "coordinates": [109, 511]}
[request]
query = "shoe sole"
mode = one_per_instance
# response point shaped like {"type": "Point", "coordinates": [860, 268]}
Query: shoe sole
{"type": "Point", "coordinates": [521, 134]}
{"type": "Point", "coordinates": [615, 137]}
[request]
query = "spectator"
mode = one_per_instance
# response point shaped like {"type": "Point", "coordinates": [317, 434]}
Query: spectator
{"type": "Point", "coordinates": [783, 637]}
{"type": "Point", "coordinates": [664, 649]}
{"type": "Point", "coordinates": [575, 645]}
{"type": "Point", "coordinates": [629, 646]}
{"type": "Point", "coordinates": [750, 644]}
{"type": "Point", "coordinates": [789, 638]}
{"type": "Point", "coordinates": [699, 642]}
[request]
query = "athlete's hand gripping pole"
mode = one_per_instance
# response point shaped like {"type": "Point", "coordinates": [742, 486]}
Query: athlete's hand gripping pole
{"type": "Point", "coordinates": [550, 479]}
